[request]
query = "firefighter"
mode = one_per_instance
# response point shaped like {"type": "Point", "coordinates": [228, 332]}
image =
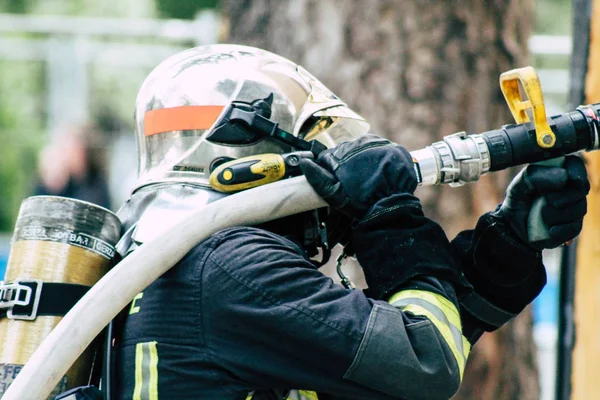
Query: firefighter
{"type": "Point", "coordinates": [247, 313]}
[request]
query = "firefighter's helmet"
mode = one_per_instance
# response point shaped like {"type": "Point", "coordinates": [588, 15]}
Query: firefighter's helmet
{"type": "Point", "coordinates": [183, 100]}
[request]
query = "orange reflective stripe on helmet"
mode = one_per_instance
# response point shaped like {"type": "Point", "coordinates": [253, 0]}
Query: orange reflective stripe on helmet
{"type": "Point", "coordinates": [180, 118]}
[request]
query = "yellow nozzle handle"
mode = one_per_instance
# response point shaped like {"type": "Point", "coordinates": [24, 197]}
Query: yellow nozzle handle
{"type": "Point", "coordinates": [531, 99]}
{"type": "Point", "coordinates": [248, 172]}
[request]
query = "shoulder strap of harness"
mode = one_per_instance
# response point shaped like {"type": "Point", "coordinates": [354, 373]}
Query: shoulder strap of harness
{"type": "Point", "coordinates": [27, 299]}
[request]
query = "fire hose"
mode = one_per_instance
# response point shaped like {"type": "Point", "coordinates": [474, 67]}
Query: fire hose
{"type": "Point", "coordinates": [457, 159]}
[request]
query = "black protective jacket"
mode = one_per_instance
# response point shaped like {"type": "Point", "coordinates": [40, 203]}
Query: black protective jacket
{"type": "Point", "coordinates": [247, 313]}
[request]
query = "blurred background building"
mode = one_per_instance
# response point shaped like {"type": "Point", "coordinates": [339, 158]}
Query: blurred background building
{"type": "Point", "coordinates": [70, 64]}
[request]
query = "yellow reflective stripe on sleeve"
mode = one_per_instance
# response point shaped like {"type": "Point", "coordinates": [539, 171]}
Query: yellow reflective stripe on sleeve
{"type": "Point", "coordinates": [437, 300]}
{"type": "Point", "coordinates": [466, 347]}
{"type": "Point", "coordinates": [307, 395]}
{"type": "Point", "coordinates": [444, 330]}
{"type": "Point", "coordinates": [441, 307]}
{"type": "Point", "coordinates": [444, 316]}
{"type": "Point", "coordinates": [146, 372]}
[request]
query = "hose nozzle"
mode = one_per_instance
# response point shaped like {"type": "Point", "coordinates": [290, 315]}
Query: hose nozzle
{"type": "Point", "coordinates": [457, 159]}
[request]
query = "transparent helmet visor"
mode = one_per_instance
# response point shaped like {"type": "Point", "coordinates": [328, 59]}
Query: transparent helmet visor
{"type": "Point", "coordinates": [336, 125]}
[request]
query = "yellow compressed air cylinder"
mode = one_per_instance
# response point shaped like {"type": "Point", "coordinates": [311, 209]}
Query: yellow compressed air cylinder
{"type": "Point", "coordinates": [56, 240]}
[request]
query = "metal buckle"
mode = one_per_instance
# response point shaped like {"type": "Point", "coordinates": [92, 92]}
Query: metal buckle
{"type": "Point", "coordinates": [21, 298]}
{"type": "Point", "coordinates": [10, 294]}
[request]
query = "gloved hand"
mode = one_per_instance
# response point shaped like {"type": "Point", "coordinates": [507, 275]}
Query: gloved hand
{"type": "Point", "coordinates": [503, 266]}
{"type": "Point", "coordinates": [355, 175]}
{"type": "Point", "coordinates": [372, 180]}
{"type": "Point", "coordinates": [565, 189]}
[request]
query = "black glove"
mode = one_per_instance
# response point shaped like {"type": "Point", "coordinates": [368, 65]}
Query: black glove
{"type": "Point", "coordinates": [505, 275]}
{"type": "Point", "coordinates": [503, 266]}
{"type": "Point", "coordinates": [355, 175]}
{"type": "Point", "coordinates": [372, 180]}
{"type": "Point", "coordinates": [565, 189]}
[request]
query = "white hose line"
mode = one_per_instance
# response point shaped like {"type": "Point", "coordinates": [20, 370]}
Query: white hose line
{"type": "Point", "coordinates": [115, 290]}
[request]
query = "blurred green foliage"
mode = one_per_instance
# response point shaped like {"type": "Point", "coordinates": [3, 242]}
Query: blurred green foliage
{"type": "Point", "coordinates": [14, 6]}
{"type": "Point", "coordinates": [553, 17]}
{"type": "Point", "coordinates": [21, 134]}
{"type": "Point", "coordinates": [184, 9]}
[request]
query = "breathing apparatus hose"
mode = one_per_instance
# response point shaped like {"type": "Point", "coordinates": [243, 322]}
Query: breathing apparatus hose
{"type": "Point", "coordinates": [457, 159]}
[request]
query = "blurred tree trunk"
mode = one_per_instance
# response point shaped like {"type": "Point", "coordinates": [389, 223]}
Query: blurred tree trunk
{"type": "Point", "coordinates": [417, 71]}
